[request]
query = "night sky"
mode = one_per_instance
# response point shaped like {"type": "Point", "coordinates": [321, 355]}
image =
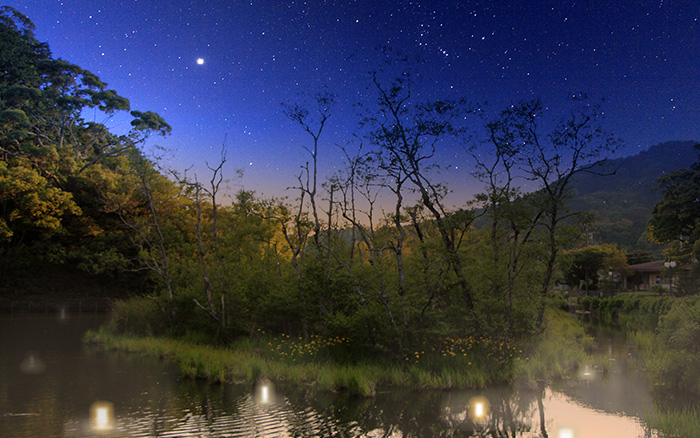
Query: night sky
{"type": "Point", "coordinates": [642, 57]}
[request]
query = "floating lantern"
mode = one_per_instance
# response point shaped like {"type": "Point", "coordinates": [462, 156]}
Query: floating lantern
{"type": "Point", "coordinates": [587, 373]}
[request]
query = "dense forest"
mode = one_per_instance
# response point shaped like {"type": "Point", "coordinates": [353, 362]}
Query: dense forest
{"type": "Point", "coordinates": [372, 253]}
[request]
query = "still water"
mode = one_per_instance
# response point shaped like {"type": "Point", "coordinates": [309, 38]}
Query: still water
{"type": "Point", "coordinates": [51, 386]}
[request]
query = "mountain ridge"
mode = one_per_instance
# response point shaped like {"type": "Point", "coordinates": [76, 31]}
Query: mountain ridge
{"type": "Point", "coordinates": [623, 200]}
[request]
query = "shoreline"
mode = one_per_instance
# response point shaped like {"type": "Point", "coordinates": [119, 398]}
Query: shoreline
{"type": "Point", "coordinates": [247, 365]}
{"type": "Point", "coordinates": [49, 304]}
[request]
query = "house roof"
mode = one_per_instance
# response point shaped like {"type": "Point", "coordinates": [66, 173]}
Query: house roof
{"type": "Point", "coordinates": [655, 266]}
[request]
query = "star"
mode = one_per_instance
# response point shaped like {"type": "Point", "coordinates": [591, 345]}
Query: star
{"type": "Point", "coordinates": [200, 61]}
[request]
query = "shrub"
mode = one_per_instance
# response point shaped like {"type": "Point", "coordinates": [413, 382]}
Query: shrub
{"type": "Point", "coordinates": [137, 316]}
{"type": "Point", "coordinates": [658, 289]}
{"type": "Point", "coordinates": [585, 303]}
{"type": "Point", "coordinates": [677, 363]}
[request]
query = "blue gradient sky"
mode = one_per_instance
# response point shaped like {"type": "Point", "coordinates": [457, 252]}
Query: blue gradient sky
{"type": "Point", "coordinates": [641, 57]}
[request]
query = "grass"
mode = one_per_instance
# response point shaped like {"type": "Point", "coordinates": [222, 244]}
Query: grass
{"type": "Point", "coordinates": [334, 364]}
{"type": "Point", "coordinates": [558, 353]}
{"type": "Point", "coordinates": [643, 340]}
{"type": "Point", "coordinates": [325, 362]}
{"type": "Point", "coordinates": [683, 422]}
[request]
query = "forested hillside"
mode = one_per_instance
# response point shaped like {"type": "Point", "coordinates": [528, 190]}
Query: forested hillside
{"type": "Point", "coordinates": [623, 200]}
{"type": "Point", "coordinates": [66, 184]}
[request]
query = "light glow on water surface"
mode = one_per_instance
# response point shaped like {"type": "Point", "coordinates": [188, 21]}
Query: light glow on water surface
{"type": "Point", "coordinates": [479, 409]}
{"type": "Point", "coordinates": [153, 401]}
{"type": "Point", "coordinates": [102, 416]}
{"type": "Point", "coordinates": [566, 433]}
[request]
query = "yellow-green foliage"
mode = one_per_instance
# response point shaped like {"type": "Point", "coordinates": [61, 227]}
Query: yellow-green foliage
{"type": "Point", "coordinates": [316, 349]}
{"type": "Point", "coordinates": [644, 340]}
{"type": "Point", "coordinates": [558, 352]}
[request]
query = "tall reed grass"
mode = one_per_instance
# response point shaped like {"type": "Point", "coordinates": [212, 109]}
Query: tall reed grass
{"type": "Point", "coordinates": [680, 422]}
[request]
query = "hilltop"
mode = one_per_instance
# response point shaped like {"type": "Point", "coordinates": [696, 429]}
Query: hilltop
{"type": "Point", "coordinates": [624, 200]}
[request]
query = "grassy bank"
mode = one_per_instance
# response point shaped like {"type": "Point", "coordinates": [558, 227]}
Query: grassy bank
{"type": "Point", "coordinates": [319, 362]}
{"type": "Point", "coordinates": [684, 422]}
{"type": "Point", "coordinates": [629, 311]}
{"type": "Point", "coordinates": [558, 353]}
{"type": "Point", "coordinates": [332, 364]}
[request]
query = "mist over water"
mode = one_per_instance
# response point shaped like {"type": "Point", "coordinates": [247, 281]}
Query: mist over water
{"type": "Point", "coordinates": [51, 385]}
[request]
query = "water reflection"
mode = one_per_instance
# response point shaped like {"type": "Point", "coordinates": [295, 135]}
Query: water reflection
{"type": "Point", "coordinates": [264, 391]}
{"type": "Point", "coordinates": [513, 416]}
{"type": "Point", "coordinates": [32, 364]}
{"type": "Point", "coordinates": [63, 315]}
{"type": "Point", "coordinates": [102, 416]}
{"type": "Point", "coordinates": [566, 433]}
{"type": "Point", "coordinates": [148, 399]}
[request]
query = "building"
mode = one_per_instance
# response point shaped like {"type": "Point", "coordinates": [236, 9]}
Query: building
{"type": "Point", "coordinates": [646, 275]}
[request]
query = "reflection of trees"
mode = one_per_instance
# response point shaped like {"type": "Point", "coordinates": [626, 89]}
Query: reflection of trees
{"type": "Point", "coordinates": [399, 412]}
{"type": "Point", "coordinates": [150, 401]}
{"type": "Point", "coordinates": [204, 400]}
{"type": "Point", "coordinates": [511, 415]}
{"type": "Point", "coordinates": [540, 410]}
{"type": "Point", "coordinates": [396, 412]}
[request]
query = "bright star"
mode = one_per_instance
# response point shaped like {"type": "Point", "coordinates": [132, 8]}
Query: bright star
{"type": "Point", "coordinates": [200, 61]}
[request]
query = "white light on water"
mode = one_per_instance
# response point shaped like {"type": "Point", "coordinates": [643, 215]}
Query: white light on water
{"type": "Point", "coordinates": [102, 419]}
{"type": "Point", "coordinates": [479, 409]}
{"type": "Point", "coordinates": [264, 392]}
{"type": "Point", "coordinates": [566, 433]}
{"type": "Point", "coordinates": [587, 373]}
{"type": "Point", "coordinates": [102, 416]}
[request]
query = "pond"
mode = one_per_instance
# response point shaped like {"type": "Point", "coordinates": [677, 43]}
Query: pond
{"type": "Point", "coordinates": [51, 386]}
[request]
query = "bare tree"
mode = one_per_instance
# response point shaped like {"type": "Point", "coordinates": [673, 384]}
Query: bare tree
{"type": "Point", "coordinates": [196, 192]}
{"type": "Point", "coordinates": [512, 221]}
{"type": "Point", "coordinates": [578, 143]}
{"type": "Point", "coordinates": [408, 134]}
{"type": "Point", "coordinates": [313, 125]}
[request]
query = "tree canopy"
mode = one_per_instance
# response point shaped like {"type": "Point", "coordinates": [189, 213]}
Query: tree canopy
{"type": "Point", "coordinates": [676, 221]}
